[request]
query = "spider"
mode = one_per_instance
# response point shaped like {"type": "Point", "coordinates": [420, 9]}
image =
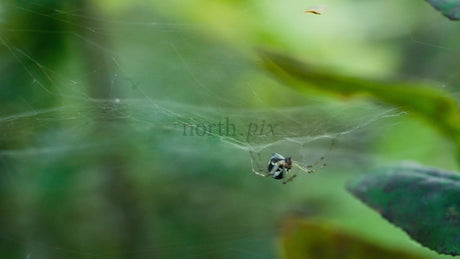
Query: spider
{"type": "Point", "coordinates": [279, 167]}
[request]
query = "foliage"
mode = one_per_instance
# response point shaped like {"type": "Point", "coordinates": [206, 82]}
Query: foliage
{"type": "Point", "coordinates": [449, 8]}
{"type": "Point", "coordinates": [309, 239]}
{"type": "Point", "coordinates": [424, 202]}
{"type": "Point", "coordinates": [94, 162]}
{"type": "Point", "coordinates": [429, 103]}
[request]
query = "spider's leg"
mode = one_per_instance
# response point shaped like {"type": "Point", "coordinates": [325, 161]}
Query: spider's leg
{"type": "Point", "coordinates": [259, 171]}
{"type": "Point", "coordinates": [306, 170]}
{"type": "Point", "coordinates": [289, 179]}
{"type": "Point", "coordinates": [315, 164]}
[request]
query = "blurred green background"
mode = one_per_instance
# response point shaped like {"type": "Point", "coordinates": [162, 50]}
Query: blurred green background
{"type": "Point", "coordinates": [98, 99]}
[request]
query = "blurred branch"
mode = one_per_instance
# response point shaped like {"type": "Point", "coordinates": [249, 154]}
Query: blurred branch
{"type": "Point", "coordinates": [112, 164]}
{"type": "Point", "coordinates": [433, 105]}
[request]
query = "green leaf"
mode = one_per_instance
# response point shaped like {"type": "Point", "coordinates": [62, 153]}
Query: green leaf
{"type": "Point", "coordinates": [301, 239]}
{"type": "Point", "coordinates": [431, 104]}
{"type": "Point", "coordinates": [449, 8]}
{"type": "Point", "coordinates": [424, 202]}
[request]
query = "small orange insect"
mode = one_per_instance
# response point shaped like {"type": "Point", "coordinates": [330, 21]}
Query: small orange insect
{"type": "Point", "coordinates": [320, 9]}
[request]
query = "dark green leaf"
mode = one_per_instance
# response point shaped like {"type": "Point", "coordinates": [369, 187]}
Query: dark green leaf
{"type": "Point", "coordinates": [424, 202]}
{"type": "Point", "coordinates": [450, 8]}
{"type": "Point", "coordinates": [311, 240]}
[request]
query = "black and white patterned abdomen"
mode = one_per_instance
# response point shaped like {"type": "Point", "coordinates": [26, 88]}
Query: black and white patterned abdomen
{"type": "Point", "coordinates": [279, 173]}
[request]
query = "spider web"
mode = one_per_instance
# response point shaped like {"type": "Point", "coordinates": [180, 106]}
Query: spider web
{"type": "Point", "coordinates": [183, 108]}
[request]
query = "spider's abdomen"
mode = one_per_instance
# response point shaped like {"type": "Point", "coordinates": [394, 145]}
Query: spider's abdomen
{"type": "Point", "coordinates": [273, 162]}
{"type": "Point", "coordinates": [279, 173]}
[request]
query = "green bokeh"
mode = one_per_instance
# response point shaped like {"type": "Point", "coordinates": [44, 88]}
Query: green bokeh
{"type": "Point", "coordinates": [94, 94]}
